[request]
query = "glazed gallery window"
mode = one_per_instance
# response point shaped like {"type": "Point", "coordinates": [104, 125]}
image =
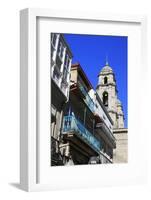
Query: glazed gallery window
{"type": "Point", "coordinates": [88, 116]}
{"type": "Point", "coordinates": [60, 49]}
{"type": "Point", "coordinates": [66, 67]}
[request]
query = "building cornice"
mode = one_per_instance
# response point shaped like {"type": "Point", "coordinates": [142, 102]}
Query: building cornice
{"type": "Point", "coordinates": [105, 73]}
{"type": "Point", "coordinates": [120, 130]}
{"type": "Point", "coordinates": [104, 85]}
{"type": "Point", "coordinates": [112, 111]}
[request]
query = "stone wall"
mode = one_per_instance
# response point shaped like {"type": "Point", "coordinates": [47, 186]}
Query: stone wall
{"type": "Point", "coordinates": [120, 153]}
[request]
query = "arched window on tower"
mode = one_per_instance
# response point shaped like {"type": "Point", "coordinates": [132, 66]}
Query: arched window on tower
{"type": "Point", "coordinates": [105, 99]}
{"type": "Point", "coordinates": [105, 80]}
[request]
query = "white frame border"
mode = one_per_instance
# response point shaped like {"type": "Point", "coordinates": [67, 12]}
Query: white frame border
{"type": "Point", "coordinates": [28, 82]}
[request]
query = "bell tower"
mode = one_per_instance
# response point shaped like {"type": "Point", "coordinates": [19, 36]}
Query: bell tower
{"type": "Point", "coordinates": [107, 90]}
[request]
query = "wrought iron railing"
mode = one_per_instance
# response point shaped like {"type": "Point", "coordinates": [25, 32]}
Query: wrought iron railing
{"type": "Point", "coordinates": [71, 124]}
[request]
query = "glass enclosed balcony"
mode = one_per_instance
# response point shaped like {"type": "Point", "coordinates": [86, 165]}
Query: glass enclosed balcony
{"type": "Point", "coordinates": [107, 131]}
{"type": "Point", "coordinates": [71, 124]}
{"type": "Point", "coordinates": [88, 99]}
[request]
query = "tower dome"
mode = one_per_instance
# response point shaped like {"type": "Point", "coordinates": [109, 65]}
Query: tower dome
{"type": "Point", "coordinates": [106, 69]}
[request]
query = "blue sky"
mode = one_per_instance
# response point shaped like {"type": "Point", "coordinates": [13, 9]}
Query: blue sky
{"type": "Point", "coordinates": [91, 52]}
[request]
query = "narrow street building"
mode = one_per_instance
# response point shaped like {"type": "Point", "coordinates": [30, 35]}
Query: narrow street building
{"type": "Point", "coordinates": [61, 58]}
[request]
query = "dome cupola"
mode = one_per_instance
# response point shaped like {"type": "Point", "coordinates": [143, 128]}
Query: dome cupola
{"type": "Point", "coordinates": [106, 69]}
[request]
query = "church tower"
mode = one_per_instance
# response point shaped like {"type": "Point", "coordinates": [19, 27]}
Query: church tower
{"type": "Point", "coordinates": [107, 90]}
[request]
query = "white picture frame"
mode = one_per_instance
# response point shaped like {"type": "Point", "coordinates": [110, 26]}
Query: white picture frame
{"type": "Point", "coordinates": [135, 172]}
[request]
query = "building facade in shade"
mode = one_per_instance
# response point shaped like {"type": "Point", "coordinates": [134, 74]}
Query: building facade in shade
{"type": "Point", "coordinates": [87, 135]}
{"type": "Point", "coordinates": [61, 58]}
{"type": "Point", "coordinates": [107, 91]}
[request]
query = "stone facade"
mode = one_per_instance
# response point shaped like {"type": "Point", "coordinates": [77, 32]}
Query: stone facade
{"type": "Point", "coordinates": [107, 91]}
{"type": "Point", "coordinates": [120, 154]}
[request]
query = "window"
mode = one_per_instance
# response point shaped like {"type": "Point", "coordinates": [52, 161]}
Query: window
{"type": "Point", "coordinates": [105, 99]}
{"type": "Point", "coordinates": [105, 80]}
{"type": "Point", "coordinates": [82, 84]}
{"type": "Point", "coordinates": [66, 67]}
{"type": "Point", "coordinates": [67, 62]}
{"type": "Point", "coordinates": [53, 39]}
{"type": "Point", "coordinates": [56, 72]}
{"type": "Point", "coordinates": [53, 44]}
{"type": "Point", "coordinates": [65, 74]}
{"type": "Point", "coordinates": [60, 50]}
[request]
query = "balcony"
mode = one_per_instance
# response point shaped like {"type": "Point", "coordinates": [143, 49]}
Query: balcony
{"type": "Point", "coordinates": [107, 131]}
{"type": "Point", "coordinates": [71, 124]}
{"type": "Point", "coordinates": [88, 99]}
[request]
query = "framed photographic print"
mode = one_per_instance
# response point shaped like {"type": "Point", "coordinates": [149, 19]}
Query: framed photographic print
{"type": "Point", "coordinates": [81, 103]}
